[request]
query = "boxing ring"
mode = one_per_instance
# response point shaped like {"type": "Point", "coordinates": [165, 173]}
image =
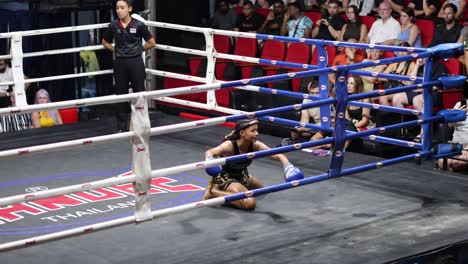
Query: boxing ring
{"type": "Point", "coordinates": [142, 175]}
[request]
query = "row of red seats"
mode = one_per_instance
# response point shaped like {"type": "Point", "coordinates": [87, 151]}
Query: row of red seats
{"type": "Point", "coordinates": [273, 50]}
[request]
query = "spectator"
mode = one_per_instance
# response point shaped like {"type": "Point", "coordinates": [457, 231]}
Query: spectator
{"type": "Point", "coordinates": [354, 28]}
{"type": "Point", "coordinates": [401, 68]}
{"type": "Point", "coordinates": [460, 4]}
{"type": "Point", "coordinates": [409, 31]}
{"type": "Point", "coordinates": [15, 122]}
{"type": "Point", "coordinates": [365, 7]}
{"type": "Point", "coordinates": [415, 97]}
{"type": "Point", "coordinates": [262, 4]}
{"type": "Point", "coordinates": [450, 31]}
{"type": "Point", "coordinates": [354, 144]}
{"type": "Point", "coordinates": [6, 75]}
{"type": "Point", "coordinates": [329, 27]}
{"type": "Point", "coordinates": [274, 20]}
{"type": "Point", "coordinates": [249, 20]}
{"type": "Point", "coordinates": [359, 116]}
{"type": "Point", "coordinates": [460, 136]}
{"type": "Point", "coordinates": [422, 8]}
{"type": "Point", "coordinates": [371, 82]}
{"type": "Point", "coordinates": [344, 58]}
{"type": "Point", "coordinates": [384, 30]}
{"type": "Point", "coordinates": [45, 118]}
{"type": "Point", "coordinates": [295, 24]}
{"type": "Point", "coordinates": [224, 18]}
{"type": "Point", "coordinates": [311, 115]}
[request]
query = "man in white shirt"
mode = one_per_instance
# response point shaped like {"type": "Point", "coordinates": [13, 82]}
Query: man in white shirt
{"type": "Point", "coordinates": [385, 29]}
{"type": "Point", "coordinates": [6, 75]}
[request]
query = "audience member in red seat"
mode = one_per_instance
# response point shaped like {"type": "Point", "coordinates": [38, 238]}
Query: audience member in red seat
{"type": "Point", "coordinates": [422, 8]}
{"type": "Point", "coordinates": [311, 115]}
{"type": "Point", "coordinates": [365, 7]}
{"type": "Point", "coordinates": [6, 75]}
{"type": "Point", "coordinates": [409, 31]}
{"type": "Point", "coordinates": [386, 29]}
{"type": "Point", "coordinates": [224, 18]}
{"type": "Point", "coordinates": [450, 31]}
{"type": "Point", "coordinates": [415, 97]}
{"type": "Point", "coordinates": [370, 82]}
{"type": "Point", "coordinates": [274, 20]}
{"type": "Point", "coordinates": [329, 27]}
{"type": "Point", "coordinates": [460, 136]}
{"type": "Point", "coordinates": [45, 118]}
{"type": "Point", "coordinates": [401, 68]}
{"type": "Point", "coordinates": [354, 29]}
{"type": "Point", "coordinates": [15, 122]}
{"type": "Point", "coordinates": [295, 24]}
{"type": "Point", "coordinates": [461, 6]}
{"type": "Point", "coordinates": [359, 116]}
{"type": "Point", "coordinates": [249, 20]}
{"type": "Point", "coordinates": [349, 56]}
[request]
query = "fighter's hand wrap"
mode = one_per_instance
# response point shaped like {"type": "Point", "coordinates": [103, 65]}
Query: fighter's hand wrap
{"type": "Point", "coordinates": [292, 173]}
{"type": "Point", "coordinates": [213, 171]}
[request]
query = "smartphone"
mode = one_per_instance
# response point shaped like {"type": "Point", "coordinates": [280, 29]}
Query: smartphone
{"type": "Point", "coordinates": [463, 102]}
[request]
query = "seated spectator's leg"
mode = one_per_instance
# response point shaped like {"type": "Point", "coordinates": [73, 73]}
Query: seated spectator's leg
{"type": "Point", "coordinates": [385, 100]}
{"type": "Point", "coordinates": [457, 165]}
{"type": "Point", "coordinates": [418, 102]}
{"type": "Point", "coordinates": [400, 100]}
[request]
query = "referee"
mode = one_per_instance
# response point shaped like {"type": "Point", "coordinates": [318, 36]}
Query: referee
{"type": "Point", "coordinates": [128, 66]}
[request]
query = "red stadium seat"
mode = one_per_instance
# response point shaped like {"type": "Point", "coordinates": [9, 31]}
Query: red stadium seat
{"type": "Point", "coordinates": [238, 10]}
{"type": "Point", "coordinates": [314, 16]}
{"type": "Point", "coordinates": [222, 44]}
{"type": "Point", "coordinates": [368, 21]}
{"type": "Point", "coordinates": [427, 30]}
{"type": "Point", "coordinates": [263, 11]}
{"type": "Point", "coordinates": [175, 83]}
{"type": "Point", "coordinates": [331, 54]}
{"type": "Point", "coordinates": [298, 53]}
{"type": "Point", "coordinates": [388, 54]}
{"type": "Point", "coordinates": [272, 50]}
{"type": "Point", "coordinates": [451, 97]}
{"type": "Point", "coordinates": [69, 115]}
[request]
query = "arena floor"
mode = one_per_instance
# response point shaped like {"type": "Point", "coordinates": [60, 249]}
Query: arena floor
{"type": "Point", "coordinates": [372, 217]}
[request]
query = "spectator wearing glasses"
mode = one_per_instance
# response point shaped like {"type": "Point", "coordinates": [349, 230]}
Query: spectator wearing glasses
{"type": "Point", "coordinates": [385, 30]}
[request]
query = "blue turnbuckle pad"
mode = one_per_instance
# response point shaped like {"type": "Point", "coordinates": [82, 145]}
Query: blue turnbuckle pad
{"type": "Point", "coordinates": [447, 50]}
{"type": "Point", "coordinates": [455, 81]}
{"type": "Point", "coordinates": [452, 115]}
{"type": "Point", "coordinates": [446, 150]}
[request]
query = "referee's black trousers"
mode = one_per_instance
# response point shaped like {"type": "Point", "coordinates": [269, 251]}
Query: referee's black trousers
{"type": "Point", "coordinates": [128, 73]}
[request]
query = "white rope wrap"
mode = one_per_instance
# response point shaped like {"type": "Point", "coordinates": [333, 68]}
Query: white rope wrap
{"type": "Point", "coordinates": [141, 164]}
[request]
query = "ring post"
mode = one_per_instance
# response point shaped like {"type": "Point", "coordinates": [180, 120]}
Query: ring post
{"type": "Point", "coordinates": [341, 91]}
{"type": "Point", "coordinates": [141, 163]}
{"type": "Point", "coordinates": [17, 68]}
{"type": "Point", "coordinates": [324, 90]}
{"type": "Point", "coordinates": [428, 103]}
{"type": "Point", "coordinates": [210, 68]}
